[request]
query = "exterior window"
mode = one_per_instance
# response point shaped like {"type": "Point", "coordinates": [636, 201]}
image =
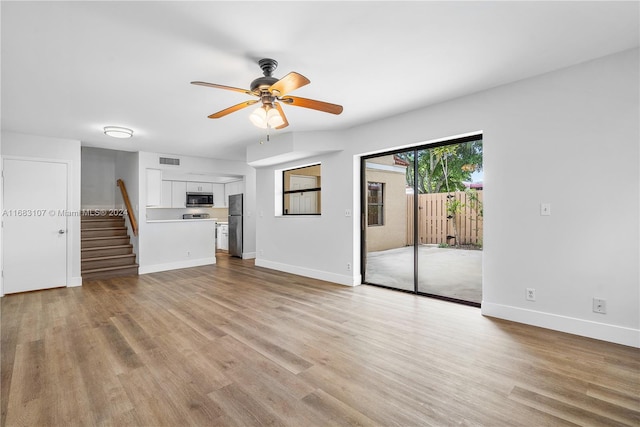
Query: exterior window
{"type": "Point", "coordinates": [302, 191]}
{"type": "Point", "coordinates": [375, 203]}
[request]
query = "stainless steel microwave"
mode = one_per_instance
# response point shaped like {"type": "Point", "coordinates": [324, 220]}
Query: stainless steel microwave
{"type": "Point", "coordinates": [202, 200]}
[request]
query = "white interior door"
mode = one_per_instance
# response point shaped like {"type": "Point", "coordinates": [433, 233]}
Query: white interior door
{"type": "Point", "coordinates": [35, 227]}
{"type": "Point", "coordinates": [303, 203]}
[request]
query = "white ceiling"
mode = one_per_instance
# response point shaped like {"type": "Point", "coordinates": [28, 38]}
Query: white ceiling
{"type": "Point", "coordinates": [70, 68]}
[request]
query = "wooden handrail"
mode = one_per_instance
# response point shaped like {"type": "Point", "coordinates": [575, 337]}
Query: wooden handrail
{"type": "Point", "coordinates": [127, 203]}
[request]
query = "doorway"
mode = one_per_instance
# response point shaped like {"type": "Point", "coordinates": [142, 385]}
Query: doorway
{"type": "Point", "coordinates": [423, 220]}
{"type": "Point", "coordinates": [34, 225]}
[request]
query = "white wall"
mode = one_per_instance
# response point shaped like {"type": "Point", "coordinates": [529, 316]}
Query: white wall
{"type": "Point", "coordinates": [177, 244]}
{"type": "Point", "coordinates": [152, 256]}
{"type": "Point", "coordinates": [569, 138]}
{"type": "Point", "coordinates": [98, 178]}
{"type": "Point", "coordinates": [32, 146]}
{"type": "Point", "coordinates": [314, 246]}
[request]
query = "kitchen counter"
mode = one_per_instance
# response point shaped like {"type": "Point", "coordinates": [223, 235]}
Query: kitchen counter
{"type": "Point", "coordinates": [177, 243]}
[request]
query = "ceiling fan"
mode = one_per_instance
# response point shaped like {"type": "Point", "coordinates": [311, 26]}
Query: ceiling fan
{"type": "Point", "coordinates": [272, 92]}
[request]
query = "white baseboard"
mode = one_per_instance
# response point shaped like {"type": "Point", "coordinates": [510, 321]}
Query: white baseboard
{"type": "Point", "coordinates": [154, 268]}
{"type": "Point", "coordinates": [74, 282]}
{"type": "Point", "coordinates": [586, 328]}
{"type": "Point", "coordinates": [309, 272]}
{"type": "Point", "coordinates": [248, 255]}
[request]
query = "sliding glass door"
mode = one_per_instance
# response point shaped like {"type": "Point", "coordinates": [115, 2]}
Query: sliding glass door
{"type": "Point", "coordinates": [423, 220]}
{"type": "Point", "coordinates": [389, 261]}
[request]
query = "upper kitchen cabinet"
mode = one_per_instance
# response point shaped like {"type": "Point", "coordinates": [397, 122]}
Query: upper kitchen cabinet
{"type": "Point", "coordinates": [166, 194]}
{"type": "Point", "coordinates": [174, 194]}
{"type": "Point", "coordinates": [178, 194]}
{"type": "Point", "coordinates": [199, 187]}
{"type": "Point", "coordinates": [154, 187]}
{"type": "Point", "coordinates": [235, 187]}
{"type": "Point", "coordinates": [219, 199]}
{"type": "Point", "coordinates": [231, 188]}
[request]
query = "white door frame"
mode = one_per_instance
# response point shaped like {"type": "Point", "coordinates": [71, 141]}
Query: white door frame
{"type": "Point", "coordinates": [70, 231]}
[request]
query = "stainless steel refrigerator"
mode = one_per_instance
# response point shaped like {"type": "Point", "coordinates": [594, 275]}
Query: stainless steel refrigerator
{"type": "Point", "coordinates": [235, 225]}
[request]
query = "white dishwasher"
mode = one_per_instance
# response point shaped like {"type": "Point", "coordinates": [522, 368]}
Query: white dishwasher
{"type": "Point", "coordinates": [223, 237]}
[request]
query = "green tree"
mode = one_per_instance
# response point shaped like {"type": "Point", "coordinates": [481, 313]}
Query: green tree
{"type": "Point", "coordinates": [446, 168]}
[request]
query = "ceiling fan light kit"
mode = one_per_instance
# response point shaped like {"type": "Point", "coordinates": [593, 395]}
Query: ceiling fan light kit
{"type": "Point", "coordinates": [118, 132]}
{"type": "Point", "coordinates": [272, 92]}
{"type": "Point", "coordinates": [264, 117]}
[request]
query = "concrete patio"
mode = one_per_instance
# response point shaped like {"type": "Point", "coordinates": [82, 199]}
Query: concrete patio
{"type": "Point", "coordinates": [454, 273]}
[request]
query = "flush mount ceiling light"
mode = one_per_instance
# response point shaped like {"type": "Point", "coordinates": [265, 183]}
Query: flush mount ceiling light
{"type": "Point", "coordinates": [118, 132]}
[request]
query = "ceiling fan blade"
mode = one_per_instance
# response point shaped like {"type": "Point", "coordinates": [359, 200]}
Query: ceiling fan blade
{"type": "Point", "coordinates": [284, 118]}
{"type": "Point", "coordinates": [313, 104]}
{"type": "Point", "coordinates": [235, 89]}
{"type": "Point", "coordinates": [288, 83]}
{"type": "Point", "coordinates": [230, 110]}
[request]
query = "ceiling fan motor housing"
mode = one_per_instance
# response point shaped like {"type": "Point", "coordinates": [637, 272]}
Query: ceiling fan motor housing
{"type": "Point", "coordinates": [268, 66]}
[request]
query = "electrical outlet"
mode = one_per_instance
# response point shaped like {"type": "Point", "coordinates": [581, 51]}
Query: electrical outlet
{"type": "Point", "coordinates": [349, 266]}
{"type": "Point", "coordinates": [545, 209]}
{"type": "Point", "coordinates": [347, 212]}
{"type": "Point", "coordinates": [599, 305]}
{"type": "Point", "coordinates": [531, 294]}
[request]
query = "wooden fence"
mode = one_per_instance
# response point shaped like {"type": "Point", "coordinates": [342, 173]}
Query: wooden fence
{"type": "Point", "coordinates": [433, 225]}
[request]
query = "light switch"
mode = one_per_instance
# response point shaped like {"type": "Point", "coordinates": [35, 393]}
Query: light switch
{"type": "Point", "coordinates": [545, 209]}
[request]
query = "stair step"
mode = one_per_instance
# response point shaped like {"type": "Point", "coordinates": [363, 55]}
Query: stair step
{"type": "Point", "coordinates": [101, 213]}
{"type": "Point", "coordinates": [90, 224]}
{"type": "Point", "coordinates": [93, 242]}
{"type": "Point", "coordinates": [104, 232]}
{"type": "Point", "coordinates": [108, 261]}
{"type": "Point", "coordinates": [101, 251]}
{"type": "Point", "coordinates": [111, 227]}
{"type": "Point", "coordinates": [105, 246]}
{"type": "Point", "coordinates": [103, 273]}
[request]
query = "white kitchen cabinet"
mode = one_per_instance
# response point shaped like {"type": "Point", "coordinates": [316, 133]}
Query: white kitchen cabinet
{"type": "Point", "coordinates": [173, 194]}
{"type": "Point", "coordinates": [178, 194]}
{"type": "Point", "coordinates": [154, 187]}
{"type": "Point", "coordinates": [199, 187]}
{"type": "Point", "coordinates": [219, 200]}
{"type": "Point", "coordinates": [165, 200]}
{"type": "Point", "coordinates": [222, 241]}
{"type": "Point", "coordinates": [231, 188]}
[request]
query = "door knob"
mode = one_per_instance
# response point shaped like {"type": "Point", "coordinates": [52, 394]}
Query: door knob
{"type": "Point", "coordinates": [61, 231]}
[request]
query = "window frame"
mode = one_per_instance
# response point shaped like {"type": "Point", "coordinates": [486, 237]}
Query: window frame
{"type": "Point", "coordinates": [380, 204]}
{"type": "Point", "coordinates": [317, 190]}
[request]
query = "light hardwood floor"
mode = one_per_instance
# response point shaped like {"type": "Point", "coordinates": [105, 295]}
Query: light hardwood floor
{"type": "Point", "coordinates": [237, 345]}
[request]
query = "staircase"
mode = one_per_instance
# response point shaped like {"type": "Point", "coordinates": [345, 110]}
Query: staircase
{"type": "Point", "coordinates": [106, 250]}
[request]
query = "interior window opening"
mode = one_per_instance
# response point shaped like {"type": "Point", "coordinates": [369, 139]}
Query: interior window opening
{"type": "Point", "coordinates": [302, 191]}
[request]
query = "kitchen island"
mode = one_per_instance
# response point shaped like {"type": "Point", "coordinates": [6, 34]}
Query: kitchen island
{"type": "Point", "coordinates": [170, 244]}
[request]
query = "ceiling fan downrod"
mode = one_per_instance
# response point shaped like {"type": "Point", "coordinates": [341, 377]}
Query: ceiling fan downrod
{"type": "Point", "coordinates": [268, 66]}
